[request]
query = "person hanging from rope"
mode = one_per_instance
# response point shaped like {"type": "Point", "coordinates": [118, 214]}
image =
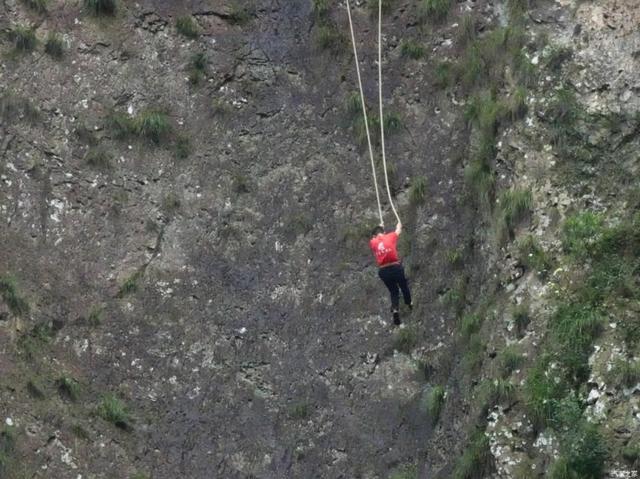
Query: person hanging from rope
{"type": "Point", "coordinates": [390, 269]}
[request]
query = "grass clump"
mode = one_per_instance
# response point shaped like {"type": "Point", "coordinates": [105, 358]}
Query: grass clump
{"type": "Point", "coordinates": [444, 74]}
{"type": "Point", "coordinates": [121, 125]}
{"type": "Point", "coordinates": [238, 15]}
{"type": "Point", "coordinates": [405, 472]}
{"type": "Point", "coordinates": [532, 256]}
{"type": "Point", "coordinates": [9, 292]}
{"type": "Point", "coordinates": [626, 372]}
{"type": "Point", "coordinates": [580, 233]}
{"type": "Point", "coordinates": [112, 410]}
{"type": "Point", "coordinates": [583, 453]}
{"type": "Point", "coordinates": [467, 31]}
{"type": "Point", "coordinates": [434, 10]}
{"type": "Point", "coordinates": [7, 446]}
{"type": "Point", "coordinates": [152, 125]}
{"type": "Point", "coordinates": [23, 38]}
{"type": "Point", "coordinates": [54, 46]}
{"type": "Point", "coordinates": [513, 207]}
{"type": "Point", "coordinates": [300, 411]}
{"type": "Point", "coordinates": [480, 177]}
{"type": "Point", "coordinates": [198, 68]}
{"type": "Point", "coordinates": [187, 27]}
{"type": "Point", "coordinates": [98, 158]}
{"type": "Point", "coordinates": [130, 285]}
{"type": "Point", "coordinates": [475, 459]}
{"type": "Point", "coordinates": [511, 359]}
{"type": "Point", "coordinates": [470, 324]}
{"type": "Point", "coordinates": [521, 318]}
{"type": "Point", "coordinates": [182, 148]}
{"type": "Point", "coordinates": [558, 56]}
{"type": "Point", "coordinates": [435, 402]}
{"type": "Point", "coordinates": [405, 340]}
{"type": "Point", "coordinates": [411, 49]}
{"type": "Point", "coordinates": [321, 8]}
{"type": "Point", "coordinates": [418, 190]}
{"type": "Point", "coordinates": [101, 8]}
{"type": "Point", "coordinates": [328, 37]}
{"type": "Point", "coordinates": [543, 390]}
{"type": "Point", "coordinates": [39, 6]}
{"type": "Point", "coordinates": [95, 315]}
{"type": "Point", "coordinates": [387, 6]}
{"type": "Point", "coordinates": [68, 388]}
{"type": "Point", "coordinates": [32, 342]}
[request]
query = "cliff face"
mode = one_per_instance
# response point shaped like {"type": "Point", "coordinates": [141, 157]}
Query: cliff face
{"type": "Point", "coordinates": [186, 285]}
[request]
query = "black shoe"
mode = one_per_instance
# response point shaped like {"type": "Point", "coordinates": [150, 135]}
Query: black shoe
{"type": "Point", "coordinates": [396, 318]}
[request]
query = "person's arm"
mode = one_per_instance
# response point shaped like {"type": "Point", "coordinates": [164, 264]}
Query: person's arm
{"type": "Point", "coordinates": [399, 228]}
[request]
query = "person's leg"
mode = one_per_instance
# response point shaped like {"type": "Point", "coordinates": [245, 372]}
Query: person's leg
{"type": "Point", "coordinates": [404, 285]}
{"type": "Point", "coordinates": [389, 279]}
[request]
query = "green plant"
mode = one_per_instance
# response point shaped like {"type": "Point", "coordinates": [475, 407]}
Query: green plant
{"type": "Point", "coordinates": [511, 359]}
{"type": "Point", "coordinates": [470, 324]}
{"type": "Point", "coordinates": [54, 46]}
{"type": "Point", "coordinates": [499, 391]}
{"type": "Point", "coordinates": [300, 411]}
{"type": "Point", "coordinates": [130, 285]}
{"type": "Point", "coordinates": [517, 103]}
{"type": "Point", "coordinates": [626, 372]}
{"type": "Point", "coordinates": [434, 403]}
{"type": "Point", "coordinates": [68, 388]}
{"type": "Point", "coordinates": [411, 49]}
{"type": "Point", "coordinates": [405, 340]}
{"type": "Point", "coordinates": [24, 38]}
{"type": "Point", "coordinates": [418, 190]}
{"type": "Point", "coordinates": [405, 472]}
{"type": "Point", "coordinates": [444, 74]}
{"type": "Point", "coordinates": [563, 113]}
{"type": "Point", "coordinates": [35, 390]}
{"type": "Point", "coordinates": [321, 8]}
{"type": "Point", "coordinates": [39, 6]}
{"type": "Point", "coordinates": [583, 454]}
{"type": "Point", "coordinates": [580, 232]}
{"type": "Point", "coordinates": [574, 327]}
{"type": "Point", "coordinates": [467, 30]}
{"type": "Point", "coordinates": [473, 354]}
{"type": "Point", "coordinates": [7, 446]}
{"type": "Point", "coordinates": [240, 184]}
{"type": "Point", "coordinates": [631, 452]}
{"type": "Point", "coordinates": [557, 56]}
{"type": "Point", "coordinates": [475, 458]}
{"type": "Point", "coordinates": [187, 27]}
{"type": "Point", "coordinates": [532, 256]}
{"type": "Point", "coordinates": [121, 125]}
{"type": "Point", "coordinates": [32, 342]}
{"type": "Point", "coordinates": [98, 158]}
{"type": "Point", "coordinates": [434, 10]}
{"type": "Point", "coordinates": [514, 206]}
{"type": "Point", "coordinates": [112, 410]}
{"type": "Point", "coordinates": [100, 8]}
{"type": "Point", "coordinates": [392, 122]}
{"type": "Point", "coordinates": [95, 316]}
{"type": "Point", "coordinates": [517, 8]}
{"type": "Point", "coordinates": [9, 292]}
{"type": "Point", "coordinates": [543, 390]}
{"type": "Point", "coordinates": [480, 177]}
{"type": "Point", "coordinates": [329, 38]}
{"type": "Point", "coordinates": [455, 257]}
{"type": "Point", "coordinates": [198, 67]}
{"type": "Point", "coordinates": [153, 126]}
{"type": "Point", "coordinates": [171, 203]}
{"type": "Point", "coordinates": [238, 15]}
{"type": "Point", "coordinates": [182, 148]}
{"type": "Point", "coordinates": [521, 318]}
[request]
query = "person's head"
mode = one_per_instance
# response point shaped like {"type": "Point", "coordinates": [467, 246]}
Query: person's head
{"type": "Point", "coordinates": [377, 230]}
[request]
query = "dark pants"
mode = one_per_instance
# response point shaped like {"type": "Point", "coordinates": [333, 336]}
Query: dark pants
{"type": "Point", "coordinates": [394, 279]}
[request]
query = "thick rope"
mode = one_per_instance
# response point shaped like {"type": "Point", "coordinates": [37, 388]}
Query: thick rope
{"type": "Point", "coordinates": [364, 115]}
{"type": "Point", "coordinates": [384, 156]}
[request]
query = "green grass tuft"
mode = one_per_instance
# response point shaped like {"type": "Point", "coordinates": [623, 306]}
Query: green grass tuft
{"type": "Point", "coordinates": [7, 446]}
{"type": "Point", "coordinates": [98, 158]}
{"type": "Point", "coordinates": [238, 15]}
{"type": "Point", "coordinates": [405, 340]}
{"type": "Point", "coordinates": [435, 402]}
{"type": "Point", "coordinates": [328, 37]}
{"type": "Point", "coordinates": [183, 148]}
{"type": "Point", "coordinates": [112, 410]}
{"type": "Point", "coordinates": [387, 7]}
{"type": "Point", "coordinates": [405, 472]}
{"type": "Point", "coordinates": [154, 126]}
{"type": "Point", "coordinates": [23, 38]}
{"type": "Point", "coordinates": [626, 372]}
{"type": "Point", "coordinates": [467, 31]}
{"type": "Point", "coordinates": [54, 46]}
{"type": "Point", "coordinates": [511, 358]}
{"type": "Point", "coordinates": [39, 6]}
{"type": "Point", "coordinates": [9, 292]}
{"type": "Point", "coordinates": [470, 324]}
{"type": "Point", "coordinates": [130, 285]}
{"type": "Point", "coordinates": [321, 8]}
{"type": "Point", "coordinates": [68, 388]}
{"type": "Point", "coordinates": [532, 256]}
{"type": "Point", "coordinates": [187, 27]}
{"type": "Point", "coordinates": [95, 316]}
{"type": "Point", "coordinates": [475, 459]}
{"type": "Point", "coordinates": [444, 74]}
{"type": "Point", "coordinates": [434, 10]}
{"type": "Point", "coordinates": [513, 207]}
{"type": "Point", "coordinates": [300, 411]}
{"type": "Point", "coordinates": [418, 190]}
{"type": "Point", "coordinates": [580, 233]}
{"type": "Point", "coordinates": [411, 49]}
{"type": "Point", "coordinates": [100, 8]}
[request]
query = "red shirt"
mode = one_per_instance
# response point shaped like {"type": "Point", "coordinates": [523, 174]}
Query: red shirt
{"type": "Point", "coordinates": [384, 248]}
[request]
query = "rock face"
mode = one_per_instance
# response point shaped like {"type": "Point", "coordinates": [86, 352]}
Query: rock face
{"type": "Point", "coordinates": [186, 287]}
{"type": "Point", "coordinates": [227, 298]}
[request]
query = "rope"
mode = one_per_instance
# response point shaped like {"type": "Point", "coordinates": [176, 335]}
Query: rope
{"type": "Point", "coordinates": [364, 115]}
{"type": "Point", "coordinates": [364, 112]}
{"type": "Point", "coordinates": [384, 156]}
